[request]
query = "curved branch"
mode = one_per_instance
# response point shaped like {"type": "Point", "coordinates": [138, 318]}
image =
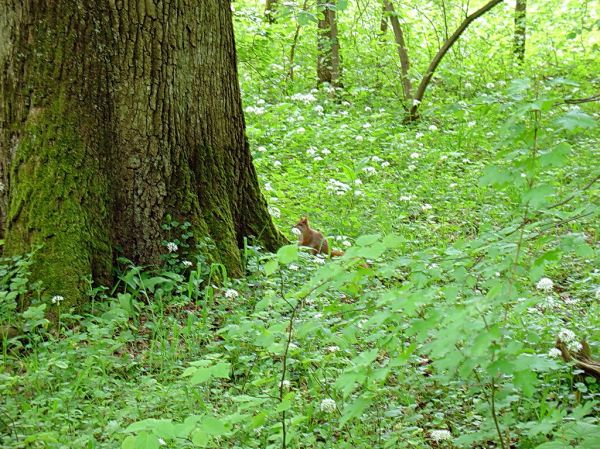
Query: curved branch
{"type": "Point", "coordinates": [442, 52]}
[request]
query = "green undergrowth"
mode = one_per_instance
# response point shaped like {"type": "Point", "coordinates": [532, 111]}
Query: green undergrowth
{"type": "Point", "coordinates": [471, 256]}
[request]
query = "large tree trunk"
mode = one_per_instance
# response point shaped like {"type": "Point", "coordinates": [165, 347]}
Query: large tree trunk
{"type": "Point", "coordinates": [520, 29]}
{"type": "Point", "coordinates": [113, 114]}
{"type": "Point", "coordinates": [328, 46]}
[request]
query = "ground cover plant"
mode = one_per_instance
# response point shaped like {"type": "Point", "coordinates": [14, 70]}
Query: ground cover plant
{"type": "Point", "coordinates": [463, 314]}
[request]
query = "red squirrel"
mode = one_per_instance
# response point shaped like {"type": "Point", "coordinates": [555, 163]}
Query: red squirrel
{"type": "Point", "coordinates": [314, 239]}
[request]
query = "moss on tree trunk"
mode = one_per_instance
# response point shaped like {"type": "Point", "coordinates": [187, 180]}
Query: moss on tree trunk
{"type": "Point", "coordinates": [114, 114]}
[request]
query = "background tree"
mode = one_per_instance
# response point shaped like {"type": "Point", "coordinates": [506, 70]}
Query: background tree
{"type": "Point", "coordinates": [413, 100]}
{"type": "Point", "coordinates": [113, 115]}
{"type": "Point", "coordinates": [328, 45]}
{"type": "Point", "coordinates": [520, 29]}
{"type": "Point", "coordinates": [271, 10]}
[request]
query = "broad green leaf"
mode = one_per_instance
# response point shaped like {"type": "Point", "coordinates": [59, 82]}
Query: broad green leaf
{"type": "Point", "coordinates": [557, 157]}
{"type": "Point", "coordinates": [213, 426]}
{"type": "Point", "coordinates": [271, 266]}
{"type": "Point", "coordinates": [537, 196]}
{"type": "Point", "coordinates": [576, 120]}
{"type": "Point", "coordinates": [369, 239]}
{"type": "Point", "coordinates": [287, 254]}
{"type": "Point", "coordinates": [305, 18]}
{"type": "Point", "coordinates": [355, 409]}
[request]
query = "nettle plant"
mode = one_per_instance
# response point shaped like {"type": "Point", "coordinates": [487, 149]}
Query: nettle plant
{"type": "Point", "coordinates": [450, 348]}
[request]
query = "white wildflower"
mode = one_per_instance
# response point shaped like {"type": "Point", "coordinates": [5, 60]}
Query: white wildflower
{"type": "Point", "coordinates": [305, 98]}
{"type": "Point", "coordinates": [255, 110]}
{"type": "Point", "coordinates": [260, 102]}
{"type": "Point", "coordinates": [337, 187]}
{"type": "Point", "coordinates": [412, 167]}
{"type": "Point", "coordinates": [419, 135]}
{"type": "Point", "coordinates": [440, 435]}
{"type": "Point", "coordinates": [426, 206]}
{"type": "Point", "coordinates": [358, 182]}
{"type": "Point", "coordinates": [286, 384]}
{"type": "Point", "coordinates": [345, 103]}
{"type": "Point", "coordinates": [376, 159]}
{"type": "Point", "coordinates": [490, 85]}
{"type": "Point", "coordinates": [160, 440]}
{"type": "Point", "coordinates": [358, 193]}
{"type": "Point", "coordinates": [274, 211]}
{"type": "Point", "coordinates": [366, 125]}
{"type": "Point", "coordinates": [318, 158]}
{"type": "Point", "coordinates": [293, 266]}
{"type": "Point", "coordinates": [268, 187]}
{"type": "Point", "coordinates": [172, 247]}
{"type": "Point", "coordinates": [262, 149]}
{"type": "Point", "coordinates": [554, 353]}
{"type": "Point", "coordinates": [277, 164]}
{"type": "Point", "coordinates": [453, 185]}
{"type": "Point", "coordinates": [566, 335]}
{"type": "Point", "coordinates": [57, 299]}
{"type": "Point", "coordinates": [328, 405]}
{"type": "Point", "coordinates": [346, 243]}
{"type": "Point", "coordinates": [368, 109]}
{"type": "Point", "coordinates": [359, 138]}
{"type": "Point", "coordinates": [311, 151]}
{"type": "Point", "coordinates": [318, 109]}
{"type": "Point", "coordinates": [416, 102]}
{"type": "Point", "coordinates": [369, 170]}
{"type": "Point", "coordinates": [545, 284]}
{"type": "Point", "coordinates": [230, 293]}
{"type": "Point", "coordinates": [187, 263]}
{"type": "Point", "coordinates": [467, 85]}
{"type": "Point", "coordinates": [415, 155]}
{"type": "Point", "coordinates": [574, 346]}
{"type": "Point", "coordinates": [433, 128]}
{"type": "Point", "coordinates": [332, 348]}
{"type": "Point", "coordinates": [471, 124]}
{"type": "Point", "coordinates": [385, 164]}
{"type": "Point", "coordinates": [293, 345]}
{"type": "Point", "coordinates": [301, 130]}
{"type": "Point", "coordinates": [325, 151]}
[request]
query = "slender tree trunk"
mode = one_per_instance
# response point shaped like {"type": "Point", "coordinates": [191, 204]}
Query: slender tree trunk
{"type": "Point", "coordinates": [402, 52]}
{"type": "Point", "coordinates": [328, 47]}
{"type": "Point", "coordinates": [114, 114]}
{"type": "Point", "coordinates": [271, 10]}
{"type": "Point", "coordinates": [520, 29]}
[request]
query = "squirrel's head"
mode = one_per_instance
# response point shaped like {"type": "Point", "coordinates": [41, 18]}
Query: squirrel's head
{"type": "Point", "coordinates": [302, 224]}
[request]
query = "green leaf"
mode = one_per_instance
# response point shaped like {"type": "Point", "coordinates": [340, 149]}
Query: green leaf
{"type": "Point", "coordinates": [537, 196]}
{"type": "Point", "coordinates": [557, 157]}
{"type": "Point", "coordinates": [495, 176]}
{"type": "Point", "coordinates": [221, 370]}
{"type": "Point", "coordinates": [305, 18]}
{"type": "Point", "coordinates": [526, 381]}
{"type": "Point", "coordinates": [271, 267]}
{"type": "Point", "coordinates": [287, 254]}
{"type": "Point", "coordinates": [341, 5]}
{"type": "Point", "coordinates": [213, 426]}
{"type": "Point", "coordinates": [369, 239]}
{"type": "Point", "coordinates": [355, 409]}
{"type": "Point", "coordinates": [575, 119]}
{"type": "Point", "coordinates": [200, 438]}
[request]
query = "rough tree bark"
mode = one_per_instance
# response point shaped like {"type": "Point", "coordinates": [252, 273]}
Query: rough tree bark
{"type": "Point", "coordinates": [328, 46]}
{"type": "Point", "coordinates": [113, 114]}
{"type": "Point", "coordinates": [520, 30]}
